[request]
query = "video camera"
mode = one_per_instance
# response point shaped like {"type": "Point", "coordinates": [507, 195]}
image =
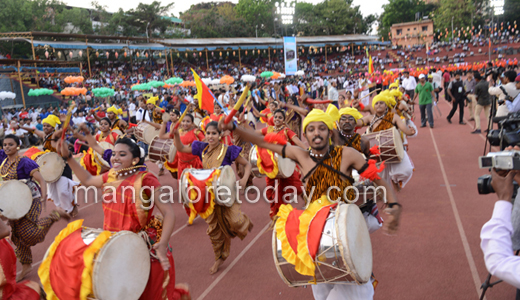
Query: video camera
{"type": "Point", "coordinates": [509, 160]}
{"type": "Point", "coordinates": [508, 132]}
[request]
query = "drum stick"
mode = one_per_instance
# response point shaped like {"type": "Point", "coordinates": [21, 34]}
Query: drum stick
{"type": "Point", "coordinates": [182, 117]}
{"type": "Point", "coordinates": [238, 105]}
{"type": "Point", "coordinates": [67, 121]}
{"type": "Point", "coordinates": [369, 94]}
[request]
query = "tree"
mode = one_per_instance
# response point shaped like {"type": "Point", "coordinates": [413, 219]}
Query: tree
{"type": "Point", "coordinates": [26, 15]}
{"type": "Point", "coordinates": [511, 11]}
{"type": "Point", "coordinates": [257, 13]}
{"type": "Point", "coordinates": [149, 17]}
{"type": "Point", "coordinates": [400, 11]}
{"type": "Point", "coordinates": [212, 20]}
{"type": "Point", "coordinates": [460, 12]}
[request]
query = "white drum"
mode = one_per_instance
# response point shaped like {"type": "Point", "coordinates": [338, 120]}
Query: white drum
{"type": "Point", "coordinates": [227, 179]}
{"type": "Point", "coordinates": [165, 117]}
{"type": "Point", "coordinates": [119, 132]}
{"type": "Point", "coordinates": [15, 199]}
{"type": "Point", "coordinates": [51, 166]}
{"type": "Point", "coordinates": [344, 255]}
{"type": "Point", "coordinates": [286, 166]}
{"type": "Point", "coordinates": [145, 132]}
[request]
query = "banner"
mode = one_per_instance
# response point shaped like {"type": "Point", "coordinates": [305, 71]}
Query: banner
{"type": "Point", "coordinates": [290, 57]}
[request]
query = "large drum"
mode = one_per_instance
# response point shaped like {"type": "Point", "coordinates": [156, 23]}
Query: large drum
{"type": "Point", "coordinates": [225, 179]}
{"type": "Point", "coordinates": [51, 166]}
{"type": "Point", "coordinates": [161, 150]}
{"type": "Point", "coordinates": [344, 254]}
{"type": "Point", "coordinates": [119, 132]}
{"type": "Point", "coordinates": [15, 199]}
{"type": "Point", "coordinates": [390, 145]}
{"type": "Point", "coordinates": [145, 132]}
{"type": "Point", "coordinates": [120, 267]}
{"type": "Point", "coordinates": [286, 166]}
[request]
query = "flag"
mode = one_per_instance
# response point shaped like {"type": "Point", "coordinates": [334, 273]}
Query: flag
{"type": "Point", "coordinates": [370, 65]}
{"type": "Point", "coordinates": [204, 95]}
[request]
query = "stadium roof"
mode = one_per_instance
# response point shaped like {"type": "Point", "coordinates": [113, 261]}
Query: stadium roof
{"type": "Point", "coordinates": [182, 45]}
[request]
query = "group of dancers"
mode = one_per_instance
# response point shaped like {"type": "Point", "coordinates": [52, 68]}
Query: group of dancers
{"type": "Point", "coordinates": [204, 141]}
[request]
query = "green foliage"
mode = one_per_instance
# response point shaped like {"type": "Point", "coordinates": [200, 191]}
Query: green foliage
{"type": "Point", "coordinates": [511, 12]}
{"type": "Point", "coordinates": [210, 20]}
{"type": "Point", "coordinates": [461, 11]}
{"type": "Point", "coordinates": [259, 13]}
{"type": "Point", "coordinates": [147, 17]}
{"type": "Point", "coordinates": [400, 11]}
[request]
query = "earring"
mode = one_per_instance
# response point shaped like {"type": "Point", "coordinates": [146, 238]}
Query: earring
{"type": "Point", "coordinates": [134, 163]}
{"type": "Point", "coordinates": [18, 148]}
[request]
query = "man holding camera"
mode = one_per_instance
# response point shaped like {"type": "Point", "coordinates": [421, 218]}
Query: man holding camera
{"type": "Point", "coordinates": [496, 242]}
{"type": "Point", "coordinates": [506, 93]}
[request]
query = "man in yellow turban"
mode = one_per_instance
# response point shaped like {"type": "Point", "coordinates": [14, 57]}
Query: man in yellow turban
{"type": "Point", "coordinates": [346, 134]}
{"type": "Point", "coordinates": [61, 191]}
{"type": "Point", "coordinates": [119, 126]}
{"type": "Point", "coordinates": [325, 168]}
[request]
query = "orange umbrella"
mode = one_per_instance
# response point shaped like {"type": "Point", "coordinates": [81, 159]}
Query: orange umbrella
{"type": "Point", "coordinates": [227, 79]}
{"type": "Point", "coordinates": [187, 83]}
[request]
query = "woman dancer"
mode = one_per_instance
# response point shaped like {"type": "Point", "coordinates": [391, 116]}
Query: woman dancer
{"type": "Point", "coordinates": [126, 213]}
{"type": "Point", "coordinates": [29, 230]}
{"type": "Point", "coordinates": [224, 222]}
{"type": "Point", "coordinates": [106, 134]}
{"type": "Point", "coordinates": [279, 133]}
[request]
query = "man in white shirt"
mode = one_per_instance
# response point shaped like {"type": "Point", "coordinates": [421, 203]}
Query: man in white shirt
{"type": "Point", "coordinates": [409, 84]}
{"type": "Point", "coordinates": [333, 94]}
{"type": "Point", "coordinates": [437, 80]}
{"type": "Point", "coordinates": [496, 242]}
{"type": "Point", "coordinates": [510, 85]}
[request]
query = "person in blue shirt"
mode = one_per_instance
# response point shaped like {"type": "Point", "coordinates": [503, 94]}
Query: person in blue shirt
{"type": "Point", "coordinates": [164, 103]}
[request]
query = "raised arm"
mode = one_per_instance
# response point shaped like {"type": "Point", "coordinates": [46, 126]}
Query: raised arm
{"type": "Point", "coordinates": [35, 131]}
{"type": "Point", "coordinates": [298, 142]}
{"type": "Point", "coordinates": [83, 175]}
{"type": "Point", "coordinates": [297, 109]}
{"type": "Point", "coordinates": [178, 143]}
{"type": "Point", "coordinates": [162, 131]}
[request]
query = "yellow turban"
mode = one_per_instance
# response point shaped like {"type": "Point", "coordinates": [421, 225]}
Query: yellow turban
{"type": "Point", "coordinates": [152, 100]}
{"type": "Point", "coordinates": [394, 85]}
{"type": "Point", "coordinates": [317, 115]}
{"type": "Point", "coordinates": [386, 98]}
{"type": "Point", "coordinates": [116, 111]}
{"type": "Point", "coordinates": [52, 120]}
{"type": "Point", "coordinates": [351, 111]}
{"type": "Point", "coordinates": [333, 112]}
{"type": "Point", "coordinates": [396, 93]}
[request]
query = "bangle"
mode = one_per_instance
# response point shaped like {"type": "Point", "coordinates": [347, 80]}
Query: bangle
{"type": "Point", "coordinates": [391, 205]}
{"type": "Point", "coordinates": [234, 126]}
{"type": "Point", "coordinates": [68, 157]}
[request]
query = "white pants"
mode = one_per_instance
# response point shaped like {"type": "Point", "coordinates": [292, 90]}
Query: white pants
{"type": "Point", "coordinates": [400, 172]}
{"type": "Point", "coordinates": [326, 291]}
{"type": "Point", "coordinates": [366, 100]}
{"type": "Point", "coordinates": [61, 192]}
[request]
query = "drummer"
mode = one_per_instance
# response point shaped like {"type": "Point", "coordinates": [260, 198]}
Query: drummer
{"type": "Point", "coordinates": [61, 191]}
{"type": "Point", "coordinates": [397, 173]}
{"type": "Point", "coordinates": [164, 133]}
{"type": "Point", "coordinates": [122, 213]}
{"type": "Point", "coordinates": [224, 222]}
{"type": "Point", "coordinates": [9, 289]}
{"type": "Point", "coordinates": [113, 113]}
{"type": "Point", "coordinates": [279, 133]}
{"type": "Point", "coordinates": [266, 115]}
{"type": "Point", "coordinates": [29, 230]}
{"type": "Point", "coordinates": [326, 166]}
{"type": "Point", "coordinates": [346, 134]}
{"type": "Point", "coordinates": [188, 133]}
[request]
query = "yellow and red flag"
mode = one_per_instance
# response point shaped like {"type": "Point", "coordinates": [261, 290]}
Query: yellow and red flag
{"type": "Point", "coordinates": [204, 95]}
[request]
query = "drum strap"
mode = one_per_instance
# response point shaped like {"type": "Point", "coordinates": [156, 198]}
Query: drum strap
{"type": "Point", "coordinates": [321, 162]}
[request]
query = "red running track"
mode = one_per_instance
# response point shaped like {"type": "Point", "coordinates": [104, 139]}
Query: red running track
{"type": "Point", "coordinates": [436, 254]}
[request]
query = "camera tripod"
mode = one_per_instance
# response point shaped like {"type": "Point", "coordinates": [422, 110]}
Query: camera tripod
{"type": "Point", "coordinates": [488, 284]}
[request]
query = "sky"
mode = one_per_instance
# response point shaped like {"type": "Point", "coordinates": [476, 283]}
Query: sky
{"type": "Point", "coordinates": [367, 6]}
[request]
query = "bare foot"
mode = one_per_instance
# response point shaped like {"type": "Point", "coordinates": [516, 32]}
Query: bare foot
{"type": "Point", "coordinates": [161, 172]}
{"type": "Point", "coordinates": [74, 212]}
{"type": "Point", "coordinates": [65, 216]}
{"type": "Point", "coordinates": [25, 270]}
{"type": "Point", "coordinates": [216, 265]}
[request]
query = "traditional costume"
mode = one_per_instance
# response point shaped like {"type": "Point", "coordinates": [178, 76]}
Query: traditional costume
{"type": "Point", "coordinates": [185, 160]}
{"type": "Point", "coordinates": [398, 173]}
{"type": "Point", "coordinates": [61, 191]}
{"type": "Point", "coordinates": [226, 139]}
{"type": "Point", "coordinates": [9, 289]}
{"type": "Point", "coordinates": [293, 226]}
{"type": "Point", "coordinates": [353, 141]}
{"type": "Point", "coordinates": [128, 211]}
{"type": "Point", "coordinates": [116, 126]}
{"type": "Point", "coordinates": [267, 165]}
{"type": "Point", "coordinates": [29, 230]}
{"type": "Point", "coordinates": [224, 222]}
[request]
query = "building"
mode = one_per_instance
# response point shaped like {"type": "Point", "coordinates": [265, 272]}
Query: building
{"type": "Point", "coordinates": [412, 33]}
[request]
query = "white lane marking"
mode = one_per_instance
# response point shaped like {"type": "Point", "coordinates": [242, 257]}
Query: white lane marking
{"type": "Point", "coordinates": [464, 239]}
{"type": "Point", "coordinates": [235, 261]}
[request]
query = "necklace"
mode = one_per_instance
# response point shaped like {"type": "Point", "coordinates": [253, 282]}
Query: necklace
{"type": "Point", "coordinates": [316, 155]}
{"type": "Point", "coordinates": [278, 128]}
{"type": "Point", "coordinates": [10, 170]}
{"type": "Point", "coordinates": [347, 136]}
{"type": "Point", "coordinates": [208, 157]}
{"type": "Point", "coordinates": [129, 171]}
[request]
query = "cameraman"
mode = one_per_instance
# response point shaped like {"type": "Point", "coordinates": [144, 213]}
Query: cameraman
{"type": "Point", "coordinates": [506, 92]}
{"type": "Point", "coordinates": [496, 243]}
{"type": "Point", "coordinates": [514, 106]}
